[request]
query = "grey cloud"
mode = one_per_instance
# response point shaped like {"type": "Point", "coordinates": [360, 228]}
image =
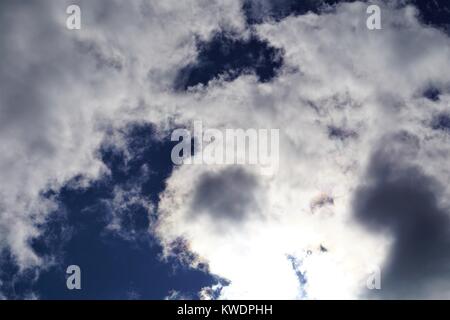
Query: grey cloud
{"type": "Point", "coordinates": [399, 198]}
{"type": "Point", "coordinates": [229, 195]}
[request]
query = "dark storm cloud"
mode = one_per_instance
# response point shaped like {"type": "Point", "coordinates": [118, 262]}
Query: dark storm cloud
{"type": "Point", "coordinates": [229, 195]}
{"type": "Point", "coordinates": [402, 200]}
{"type": "Point", "coordinates": [229, 57]}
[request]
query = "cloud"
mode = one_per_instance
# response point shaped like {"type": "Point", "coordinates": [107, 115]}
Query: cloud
{"type": "Point", "coordinates": [340, 90]}
{"type": "Point", "coordinates": [62, 90]}
{"type": "Point", "coordinates": [401, 200]}
{"type": "Point", "coordinates": [227, 195]}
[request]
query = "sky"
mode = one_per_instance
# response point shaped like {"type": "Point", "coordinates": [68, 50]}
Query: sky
{"type": "Point", "coordinates": [88, 179]}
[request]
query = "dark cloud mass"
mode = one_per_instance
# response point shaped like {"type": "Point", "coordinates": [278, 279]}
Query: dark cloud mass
{"type": "Point", "coordinates": [399, 198]}
{"type": "Point", "coordinates": [228, 195]}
